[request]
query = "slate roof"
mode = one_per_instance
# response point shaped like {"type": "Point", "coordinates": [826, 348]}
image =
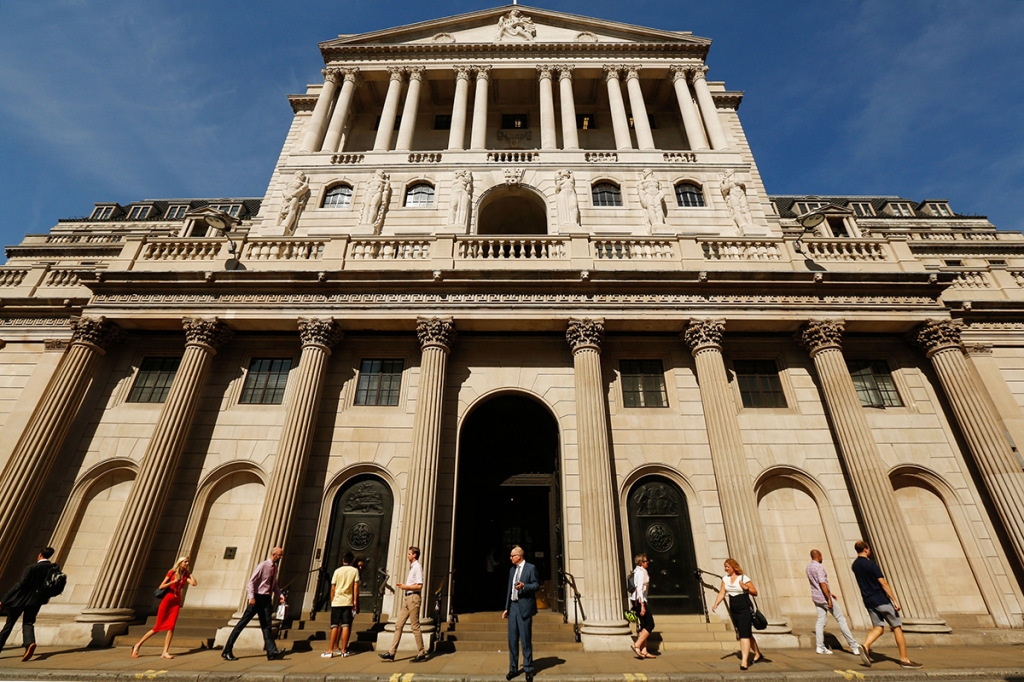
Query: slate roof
{"type": "Point", "coordinates": [250, 207]}
{"type": "Point", "coordinates": [786, 205]}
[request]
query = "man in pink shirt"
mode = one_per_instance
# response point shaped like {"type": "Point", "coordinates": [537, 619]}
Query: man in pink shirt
{"type": "Point", "coordinates": [824, 601]}
{"type": "Point", "coordinates": [262, 588]}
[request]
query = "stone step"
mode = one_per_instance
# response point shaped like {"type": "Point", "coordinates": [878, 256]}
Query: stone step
{"type": "Point", "coordinates": [498, 647]}
{"type": "Point", "coordinates": [502, 636]}
{"type": "Point", "coordinates": [495, 616]}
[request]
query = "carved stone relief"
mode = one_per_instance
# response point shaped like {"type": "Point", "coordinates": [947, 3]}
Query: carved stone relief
{"type": "Point", "coordinates": [293, 200]}
{"type": "Point", "coordinates": [375, 203]}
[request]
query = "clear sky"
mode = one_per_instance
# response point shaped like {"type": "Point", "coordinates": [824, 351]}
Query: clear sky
{"type": "Point", "coordinates": [121, 101]}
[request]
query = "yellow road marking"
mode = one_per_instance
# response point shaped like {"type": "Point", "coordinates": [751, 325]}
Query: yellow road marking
{"type": "Point", "coordinates": [629, 677]}
{"type": "Point", "coordinates": [149, 674]}
{"type": "Point", "coordinates": [850, 674]}
{"type": "Point", "coordinates": [396, 677]}
{"type": "Point", "coordinates": [407, 677]}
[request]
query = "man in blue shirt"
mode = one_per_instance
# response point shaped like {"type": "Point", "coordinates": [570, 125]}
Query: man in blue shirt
{"type": "Point", "coordinates": [881, 604]}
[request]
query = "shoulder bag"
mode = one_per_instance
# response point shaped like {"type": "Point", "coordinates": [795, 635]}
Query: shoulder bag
{"type": "Point", "coordinates": [757, 619]}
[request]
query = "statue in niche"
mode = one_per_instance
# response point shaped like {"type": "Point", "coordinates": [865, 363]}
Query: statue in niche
{"type": "Point", "coordinates": [735, 194]}
{"type": "Point", "coordinates": [565, 198]}
{"type": "Point", "coordinates": [652, 198]}
{"type": "Point", "coordinates": [462, 193]}
{"type": "Point", "coordinates": [294, 196]}
{"type": "Point", "coordinates": [375, 205]}
{"type": "Point", "coordinates": [515, 25]}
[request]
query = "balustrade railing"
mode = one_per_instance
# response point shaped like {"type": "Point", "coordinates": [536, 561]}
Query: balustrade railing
{"type": "Point", "coordinates": [83, 238]}
{"type": "Point", "coordinates": [633, 249]}
{"type": "Point", "coordinates": [12, 278]}
{"type": "Point", "coordinates": [61, 278]}
{"type": "Point", "coordinates": [601, 157]}
{"type": "Point", "coordinates": [511, 248]}
{"type": "Point", "coordinates": [971, 280]}
{"type": "Point", "coordinates": [284, 249]}
{"type": "Point", "coordinates": [950, 236]}
{"type": "Point", "coordinates": [182, 249]}
{"type": "Point", "coordinates": [512, 157]}
{"type": "Point", "coordinates": [844, 250]}
{"type": "Point", "coordinates": [425, 157]}
{"type": "Point", "coordinates": [347, 158]}
{"type": "Point", "coordinates": [680, 157]}
{"type": "Point", "coordinates": [741, 249]}
{"type": "Point", "coordinates": [389, 249]}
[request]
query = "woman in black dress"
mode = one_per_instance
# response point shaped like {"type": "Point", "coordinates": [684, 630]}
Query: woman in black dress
{"type": "Point", "coordinates": [740, 588]}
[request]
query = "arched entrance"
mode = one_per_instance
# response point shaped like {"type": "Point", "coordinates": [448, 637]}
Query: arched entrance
{"type": "Point", "coordinates": [361, 524]}
{"type": "Point", "coordinates": [515, 211]}
{"type": "Point", "coordinates": [659, 526]}
{"type": "Point", "coordinates": [508, 494]}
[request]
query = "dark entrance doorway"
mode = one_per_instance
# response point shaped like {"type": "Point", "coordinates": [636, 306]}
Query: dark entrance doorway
{"type": "Point", "coordinates": [361, 524]}
{"type": "Point", "coordinates": [512, 212]}
{"type": "Point", "coordinates": [659, 526]}
{"type": "Point", "coordinates": [508, 494]}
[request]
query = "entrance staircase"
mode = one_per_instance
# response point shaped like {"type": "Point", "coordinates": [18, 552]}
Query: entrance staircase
{"type": "Point", "coordinates": [195, 629]}
{"type": "Point", "coordinates": [690, 633]}
{"type": "Point", "coordinates": [486, 631]}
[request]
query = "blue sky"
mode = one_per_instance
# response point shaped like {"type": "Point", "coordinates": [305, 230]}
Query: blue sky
{"type": "Point", "coordinates": [103, 100]}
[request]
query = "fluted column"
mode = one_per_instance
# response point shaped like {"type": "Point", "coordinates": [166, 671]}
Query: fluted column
{"type": "Point", "coordinates": [603, 586]}
{"type": "Point", "coordinates": [886, 529]}
{"type": "Point", "coordinates": [382, 142]}
{"type": "Point", "coordinates": [412, 104]}
{"type": "Point", "coordinates": [708, 110]}
{"type": "Point", "coordinates": [332, 142]}
{"type": "Point", "coordinates": [691, 117]}
{"type": "Point", "coordinates": [620, 121]}
{"type": "Point", "coordinates": [999, 467]}
{"type": "Point", "coordinates": [457, 134]}
{"type": "Point", "coordinates": [547, 108]}
{"type": "Point", "coordinates": [30, 463]}
{"type": "Point", "coordinates": [478, 136]}
{"type": "Point", "coordinates": [642, 126]}
{"type": "Point", "coordinates": [570, 138]}
{"type": "Point", "coordinates": [315, 127]}
{"type": "Point", "coordinates": [126, 557]}
{"type": "Point", "coordinates": [743, 531]}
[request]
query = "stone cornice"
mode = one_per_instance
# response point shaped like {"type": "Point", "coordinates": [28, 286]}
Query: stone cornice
{"type": "Point", "coordinates": [302, 102]}
{"type": "Point", "coordinates": [341, 53]}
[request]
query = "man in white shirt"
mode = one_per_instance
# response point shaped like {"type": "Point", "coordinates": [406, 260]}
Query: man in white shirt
{"type": "Point", "coordinates": [410, 610]}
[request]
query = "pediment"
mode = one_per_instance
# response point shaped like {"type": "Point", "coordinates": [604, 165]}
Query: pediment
{"type": "Point", "coordinates": [514, 24]}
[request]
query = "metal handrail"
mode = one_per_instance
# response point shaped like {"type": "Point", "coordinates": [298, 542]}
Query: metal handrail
{"type": "Point", "coordinates": [570, 580]}
{"type": "Point", "coordinates": [697, 574]}
{"type": "Point", "coordinates": [382, 585]}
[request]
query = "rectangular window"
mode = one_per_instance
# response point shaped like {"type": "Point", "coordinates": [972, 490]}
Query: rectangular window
{"type": "Point", "coordinates": [953, 263]}
{"type": "Point", "coordinates": [380, 382]}
{"type": "Point", "coordinates": [154, 379]}
{"type": "Point", "coordinates": [514, 121]}
{"type": "Point", "coordinates": [940, 210]}
{"type": "Point", "coordinates": [759, 383]}
{"type": "Point", "coordinates": [807, 206]}
{"type": "Point", "coordinates": [102, 212]}
{"type": "Point", "coordinates": [862, 209]}
{"type": "Point", "coordinates": [901, 209]}
{"type": "Point", "coordinates": [997, 261]}
{"type": "Point", "coordinates": [138, 213]}
{"type": "Point", "coordinates": [199, 229]}
{"type": "Point", "coordinates": [265, 381]}
{"type": "Point", "coordinates": [586, 121]}
{"type": "Point", "coordinates": [643, 383]}
{"type": "Point", "coordinates": [176, 212]}
{"type": "Point", "coordinates": [443, 122]}
{"type": "Point", "coordinates": [874, 383]}
{"type": "Point", "coordinates": [838, 227]}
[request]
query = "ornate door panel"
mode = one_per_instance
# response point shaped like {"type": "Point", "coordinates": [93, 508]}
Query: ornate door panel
{"type": "Point", "coordinates": [659, 526]}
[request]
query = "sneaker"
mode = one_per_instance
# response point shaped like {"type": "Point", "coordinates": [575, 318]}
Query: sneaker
{"type": "Point", "coordinates": [823, 650]}
{"type": "Point", "coordinates": [327, 654]}
{"type": "Point", "coordinates": [387, 656]}
{"type": "Point", "coordinates": [865, 658]}
{"type": "Point", "coordinates": [855, 648]}
{"type": "Point", "coordinates": [910, 664]}
{"type": "Point", "coordinates": [346, 654]}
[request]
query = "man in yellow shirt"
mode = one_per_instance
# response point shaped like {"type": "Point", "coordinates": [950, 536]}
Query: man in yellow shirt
{"type": "Point", "coordinates": [344, 605]}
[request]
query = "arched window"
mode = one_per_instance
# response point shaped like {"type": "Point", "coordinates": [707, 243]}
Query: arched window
{"type": "Point", "coordinates": [419, 196]}
{"type": "Point", "coordinates": [606, 194]}
{"type": "Point", "coordinates": [339, 196]}
{"type": "Point", "coordinates": [689, 194]}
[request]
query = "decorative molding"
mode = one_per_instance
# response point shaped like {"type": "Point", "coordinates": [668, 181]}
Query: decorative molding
{"type": "Point", "coordinates": [96, 331]}
{"type": "Point", "coordinates": [319, 331]}
{"type": "Point", "coordinates": [584, 333]}
{"type": "Point", "coordinates": [436, 331]}
{"type": "Point", "coordinates": [978, 349]}
{"type": "Point", "coordinates": [819, 335]}
{"type": "Point", "coordinates": [443, 38]}
{"type": "Point", "coordinates": [206, 331]}
{"type": "Point", "coordinates": [586, 37]}
{"type": "Point", "coordinates": [36, 322]}
{"type": "Point", "coordinates": [938, 335]}
{"type": "Point", "coordinates": [54, 345]}
{"type": "Point", "coordinates": [702, 334]}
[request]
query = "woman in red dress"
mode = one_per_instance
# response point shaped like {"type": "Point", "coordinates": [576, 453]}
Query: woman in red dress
{"type": "Point", "coordinates": [167, 614]}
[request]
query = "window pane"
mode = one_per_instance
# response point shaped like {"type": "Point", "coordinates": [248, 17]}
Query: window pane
{"type": "Point", "coordinates": [380, 382]}
{"type": "Point", "coordinates": [338, 197]}
{"type": "Point", "coordinates": [643, 383]}
{"type": "Point", "coordinates": [419, 196]}
{"type": "Point", "coordinates": [153, 382]}
{"type": "Point", "coordinates": [606, 194]}
{"type": "Point", "coordinates": [689, 195]}
{"type": "Point", "coordinates": [265, 381]}
{"type": "Point", "coordinates": [759, 383]}
{"type": "Point", "coordinates": [874, 383]}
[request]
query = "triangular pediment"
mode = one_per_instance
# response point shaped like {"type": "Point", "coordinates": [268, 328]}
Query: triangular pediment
{"type": "Point", "coordinates": [514, 24]}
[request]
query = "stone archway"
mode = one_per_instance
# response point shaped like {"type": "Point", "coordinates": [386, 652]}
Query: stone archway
{"type": "Point", "coordinates": [512, 211]}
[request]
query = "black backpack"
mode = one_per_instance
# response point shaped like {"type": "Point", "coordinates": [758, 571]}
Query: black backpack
{"type": "Point", "coordinates": [53, 583]}
{"type": "Point", "coordinates": [630, 585]}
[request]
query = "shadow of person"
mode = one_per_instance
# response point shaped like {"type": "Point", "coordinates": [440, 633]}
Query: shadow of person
{"type": "Point", "coordinates": [42, 656]}
{"type": "Point", "coordinates": [546, 662]}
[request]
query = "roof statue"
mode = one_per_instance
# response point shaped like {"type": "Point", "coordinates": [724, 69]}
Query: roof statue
{"type": "Point", "coordinates": [515, 25]}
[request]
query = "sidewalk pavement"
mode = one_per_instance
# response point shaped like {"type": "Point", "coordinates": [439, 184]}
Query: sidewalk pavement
{"type": "Point", "coordinates": [116, 665]}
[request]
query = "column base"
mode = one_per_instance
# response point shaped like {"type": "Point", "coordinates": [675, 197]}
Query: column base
{"type": "Point", "coordinates": [776, 640]}
{"type": "Point", "coordinates": [408, 642]}
{"type": "Point", "coordinates": [777, 627]}
{"type": "Point", "coordinates": [606, 636]}
{"type": "Point", "coordinates": [62, 632]}
{"type": "Point", "coordinates": [106, 616]}
{"type": "Point", "coordinates": [930, 625]}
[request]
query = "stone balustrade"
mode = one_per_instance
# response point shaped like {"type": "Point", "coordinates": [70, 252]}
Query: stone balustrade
{"type": "Point", "coordinates": [11, 277]}
{"type": "Point", "coordinates": [845, 250]}
{"type": "Point", "coordinates": [975, 279]}
{"type": "Point", "coordinates": [83, 238]}
{"type": "Point", "coordinates": [512, 157]}
{"type": "Point", "coordinates": [425, 157]}
{"type": "Point", "coordinates": [633, 249]}
{"type": "Point", "coordinates": [601, 157]}
{"type": "Point", "coordinates": [62, 277]}
{"type": "Point", "coordinates": [347, 158]}
{"type": "Point", "coordinates": [182, 249]}
{"type": "Point", "coordinates": [742, 249]}
{"type": "Point", "coordinates": [284, 249]}
{"type": "Point", "coordinates": [951, 236]}
{"type": "Point", "coordinates": [680, 157]}
{"type": "Point", "coordinates": [389, 249]}
{"type": "Point", "coordinates": [511, 248]}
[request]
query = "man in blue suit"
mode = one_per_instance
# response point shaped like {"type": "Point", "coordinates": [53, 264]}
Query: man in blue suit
{"type": "Point", "coordinates": [520, 607]}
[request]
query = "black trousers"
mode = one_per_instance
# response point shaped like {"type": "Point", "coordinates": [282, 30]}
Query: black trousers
{"type": "Point", "coordinates": [262, 609]}
{"type": "Point", "coordinates": [28, 624]}
{"type": "Point", "coordinates": [520, 628]}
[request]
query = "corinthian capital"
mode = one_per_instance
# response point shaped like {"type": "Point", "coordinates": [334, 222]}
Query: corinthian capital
{"type": "Point", "coordinates": [544, 71]}
{"type": "Point", "coordinates": [611, 71]}
{"type": "Point", "coordinates": [704, 333]}
{"type": "Point", "coordinates": [436, 331]}
{"type": "Point", "coordinates": [319, 331]}
{"type": "Point", "coordinates": [633, 71]}
{"type": "Point", "coordinates": [679, 71]}
{"type": "Point", "coordinates": [415, 72]}
{"type": "Point", "coordinates": [351, 74]}
{"type": "Point", "coordinates": [206, 331]}
{"type": "Point", "coordinates": [332, 75]}
{"type": "Point", "coordinates": [564, 71]}
{"type": "Point", "coordinates": [96, 331]}
{"type": "Point", "coordinates": [483, 73]}
{"type": "Point", "coordinates": [396, 73]}
{"type": "Point", "coordinates": [937, 335]}
{"type": "Point", "coordinates": [462, 72]}
{"type": "Point", "coordinates": [584, 333]}
{"type": "Point", "coordinates": [821, 334]}
{"type": "Point", "coordinates": [698, 72]}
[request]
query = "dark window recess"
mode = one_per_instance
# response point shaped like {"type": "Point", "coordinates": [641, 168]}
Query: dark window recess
{"type": "Point", "coordinates": [606, 194]}
{"type": "Point", "coordinates": [199, 229]}
{"type": "Point", "coordinates": [689, 195]}
{"type": "Point", "coordinates": [514, 121]}
{"type": "Point", "coordinates": [759, 383]}
{"type": "Point", "coordinates": [650, 122]}
{"type": "Point", "coordinates": [338, 196]}
{"type": "Point", "coordinates": [874, 384]}
{"type": "Point", "coordinates": [643, 383]}
{"type": "Point", "coordinates": [443, 122]}
{"type": "Point", "coordinates": [265, 381]}
{"type": "Point", "coordinates": [154, 379]}
{"type": "Point", "coordinates": [398, 122]}
{"type": "Point", "coordinates": [838, 227]}
{"type": "Point", "coordinates": [586, 121]}
{"type": "Point", "coordinates": [995, 261]}
{"type": "Point", "coordinates": [953, 263]}
{"type": "Point", "coordinates": [380, 382]}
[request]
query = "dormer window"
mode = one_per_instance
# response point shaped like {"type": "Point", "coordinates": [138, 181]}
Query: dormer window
{"type": "Point", "coordinates": [939, 208]}
{"type": "Point", "coordinates": [103, 212]}
{"type": "Point", "coordinates": [230, 209]}
{"type": "Point", "coordinates": [901, 209]}
{"type": "Point", "coordinates": [837, 226]}
{"type": "Point", "coordinates": [862, 209]}
{"type": "Point", "coordinates": [176, 212]}
{"type": "Point", "coordinates": [808, 206]}
{"type": "Point", "coordinates": [138, 213]}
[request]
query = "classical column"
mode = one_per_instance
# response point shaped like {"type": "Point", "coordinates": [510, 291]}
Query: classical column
{"type": "Point", "coordinates": [547, 108]}
{"type": "Point", "coordinates": [743, 531]}
{"type": "Point", "coordinates": [436, 336]}
{"type": "Point", "coordinates": [457, 134]}
{"type": "Point", "coordinates": [712, 123]}
{"type": "Point", "coordinates": [620, 121]}
{"type": "Point", "coordinates": [315, 127]}
{"type": "Point", "coordinates": [30, 463]}
{"type": "Point", "coordinates": [603, 585]}
{"type": "Point", "coordinates": [999, 467]}
{"type": "Point", "coordinates": [478, 136]}
{"type": "Point", "coordinates": [382, 142]}
{"type": "Point", "coordinates": [644, 138]}
{"type": "Point", "coordinates": [570, 138]}
{"type": "Point", "coordinates": [117, 580]}
{"type": "Point", "coordinates": [332, 142]}
{"type": "Point", "coordinates": [412, 105]}
{"type": "Point", "coordinates": [691, 117]}
{"type": "Point", "coordinates": [886, 529]}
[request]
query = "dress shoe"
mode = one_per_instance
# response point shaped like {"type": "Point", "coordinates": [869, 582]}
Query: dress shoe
{"type": "Point", "coordinates": [276, 653]}
{"type": "Point", "coordinates": [387, 656]}
{"type": "Point", "coordinates": [419, 658]}
{"type": "Point", "coordinates": [228, 656]}
{"type": "Point", "coordinates": [529, 677]}
{"type": "Point", "coordinates": [511, 675]}
{"type": "Point", "coordinates": [31, 649]}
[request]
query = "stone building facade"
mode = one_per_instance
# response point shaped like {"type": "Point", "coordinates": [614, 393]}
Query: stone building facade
{"type": "Point", "coordinates": [516, 279]}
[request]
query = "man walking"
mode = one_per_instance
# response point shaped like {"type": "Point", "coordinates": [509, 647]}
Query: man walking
{"type": "Point", "coordinates": [881, 604]}
{"type": "Point", "coordinates": [520, 607]}
{"type": "Point", "coordinates": [344, 605]}
{"type": "Point", "coordinates": [24, 600]}
{"type": "Point", "coordinates": [262, 589]}
{"type": "Point", "coordinates": [410, 611]}
{"type": "Point", "coordinates": [824, 601]}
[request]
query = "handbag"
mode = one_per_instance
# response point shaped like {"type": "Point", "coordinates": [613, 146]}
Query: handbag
{"type": "Point", "coordinates": [282, 612]}
{"type": "Point", "coordinates": [159, 594]}
{"type": "Point", "coordinates": [757, 619]}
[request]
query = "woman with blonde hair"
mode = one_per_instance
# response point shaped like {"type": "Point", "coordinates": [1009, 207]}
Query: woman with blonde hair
{"type": "Point", "coordinates": [740, 589]}
{"type": "Point", "coordinates": [644, 618]}
{"type": "Point", "coordinates": [170, 605]}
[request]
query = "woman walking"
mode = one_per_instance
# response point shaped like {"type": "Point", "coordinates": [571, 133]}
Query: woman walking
{"type": "Point", "coordinates": [167, 614]}
{"type": "Point", "coordinates": [644, 618]}
{"type": "Point", "coordinates": [740, 589]}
